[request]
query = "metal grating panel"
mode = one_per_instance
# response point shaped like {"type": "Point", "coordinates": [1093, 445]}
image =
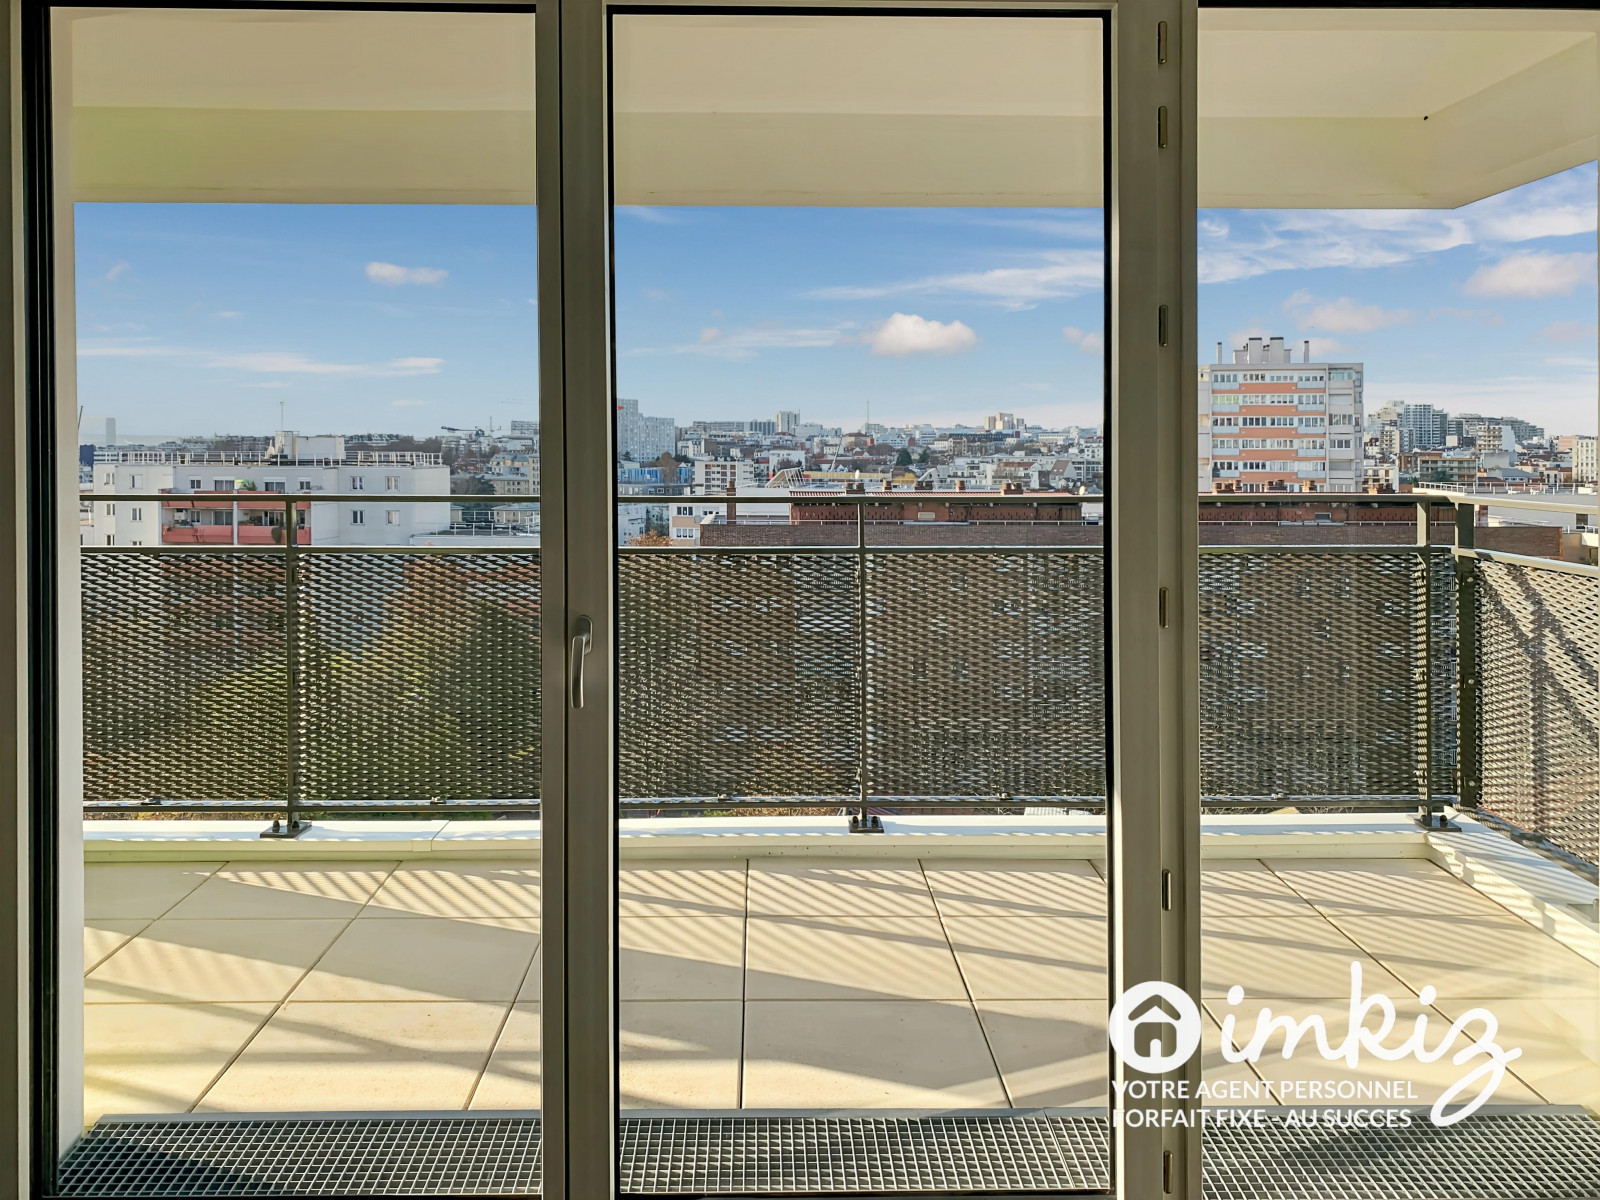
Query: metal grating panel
{"type": "Point", "coordinates": [985, 674]}
{"type": "Point", "coordinates": [737, 674]}
{"type": "Point", "coordinates": [1539, 701]}
{"type": "Point", "coordinates": [1442, 655]}
{"type": "Point", "coordinates": [185, 693]}
{"type": "Point", "coordinates": [1309, 674]}
{"type": "Point", "coordinates": [767, 1155]}
{"type": "Point", "coordinates": [419, 676]}
{"type": "Point", "coordinates": [1549, 1153]}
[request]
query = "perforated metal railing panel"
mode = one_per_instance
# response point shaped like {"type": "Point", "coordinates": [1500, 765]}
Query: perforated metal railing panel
{"type": "Point", "coordinates": [986, 674]}
{"type": "Point", "coordinates": [415, 676]}
{"type": "Point", "coordinates": [419, 676]}
{"type": "Point", "coordinates": [1539, 701]}
{"type": "Point", "coordinates": [1548, 1153]}
{"type": "Point", "coordinates": [185, 682]}
{"type": "Point", "coordinates": [738, 674]}
{"type": "Point", "coordinates": [1311, 673]}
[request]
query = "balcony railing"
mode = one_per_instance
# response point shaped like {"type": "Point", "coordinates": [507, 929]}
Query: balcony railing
{"type": "Point", "coordinates": [301, 679]}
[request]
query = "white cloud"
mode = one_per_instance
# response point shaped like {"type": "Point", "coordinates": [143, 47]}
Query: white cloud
{"type": "Point", "coordinates": [1266, 240]}
{"type": "Point", "coordinates": [1343, 315]}
{"type": "Point", "coordinates": [643, 212]}
{"type": "Point", "coordinates": [227, 316]}
{"type": "Point", "coordinates": [747, 343]}
{"type": "Point", "coordinates": [906, 333]}
{"type": "Point", "coordinates": [1051, 275]}
{"type": "Point", "coordinates": [391, 275]}
{"type": "Point", "coordinates": [262, 362]}
{"type": "Point", "coordinates": [117, 271]}
{"type": "Point", "coordinates": [1086, 342]}
{"type": "Point", "coordinates": [1533, 275]}
{"type": "Point", "coordinates": [1565, 332]}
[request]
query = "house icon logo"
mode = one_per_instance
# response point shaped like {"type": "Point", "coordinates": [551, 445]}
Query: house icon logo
{"type": "Point", "coordinates": [1141, 1005]}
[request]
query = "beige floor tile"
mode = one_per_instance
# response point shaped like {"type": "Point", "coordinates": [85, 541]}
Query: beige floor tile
{"type": "Point", "coordinates": [532, 988]}
{"type": "Point", "coordinates": [1464, 956]}
{"type": "Point", "coordinates": [284, 890]}
{"type": "Point", "coordinates": [680, 958]}
{"type": "Point", "coordinates": [850, 958]}
{"type": "Point", "coordinates": [425, 958]}
{"type": "Point", "coordinates": [842, 888]}
{"type": "Point", "coordinates": [179, 961]}
{"type": "Point", "coordinates": [512, 1080]}
{"type": "Point", "coordinates": [876, 1054]}
{"type": "Point", "coordinates": [1053, 1053]}
{"type": "Point", "coordinates": [1307, 1077]}
{"type": "Point", "coordinates": [1037, 958]}
{"type": "Point", "coordinates": [159, 1058]}
{"type": "Point", "coordinates": [1247, 888]}
{"type": "Point", "coordinates": [1382, 887]}
{"type": "Point", "coordinates": [129, 890]}
{"type": "Point", "coordinates": [1016, 888]}
{"type": "Point", "coordinates": [1285, 956]}
{"type": "Point", "coordinates": [681, 889]}
{"type": "Point", "coordinates": [104, 936]}
{"type": "Point", "coordinates": [459, 889]}
{"type": "Point", "coordinates": [333, 1057]}
{"type": "Point", "coordinates": [680, 1054]}
{"type": "Point", "coordinates": [1560, 1043]}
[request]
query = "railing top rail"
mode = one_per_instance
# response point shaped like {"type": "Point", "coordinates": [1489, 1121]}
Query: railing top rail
{"type": "Point", "coordinates": [1528, 560]}
{"type": "Point", "coordinates": [1578, 502]}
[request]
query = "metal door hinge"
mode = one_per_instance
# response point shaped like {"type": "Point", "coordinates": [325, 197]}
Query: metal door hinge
{"type": "Point", "coordinates": [1161, 127]}
{"type": "Point", "coordinates": [1161, 43]}
{"type": "Point", "coordinates": [1161, 326]}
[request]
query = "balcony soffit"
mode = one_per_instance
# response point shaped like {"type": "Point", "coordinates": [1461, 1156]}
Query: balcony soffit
{"type": "Point", "coordinates": [1298, 108]}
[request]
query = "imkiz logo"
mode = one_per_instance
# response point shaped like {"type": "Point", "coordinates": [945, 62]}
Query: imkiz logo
{"type": "Point", "coordinates": [1470, 1041]}
{"type": "Point", "coordinates": [1125, 1027]}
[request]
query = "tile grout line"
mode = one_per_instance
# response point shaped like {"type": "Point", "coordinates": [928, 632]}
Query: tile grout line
{"type": "Point", "coordinates": [278, 1006]}
{"type": "Point", "coordinates": [505, 1018]}
{"type": "Point", "coordinates": [1372, 954]}
{"type": "Point", "coordinates": [148, 921]}
{"type": "Point", "coordinates": [983, 1030]}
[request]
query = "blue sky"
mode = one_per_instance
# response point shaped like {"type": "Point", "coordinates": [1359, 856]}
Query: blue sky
{"type": "Point", "coordinates": [202, 318]}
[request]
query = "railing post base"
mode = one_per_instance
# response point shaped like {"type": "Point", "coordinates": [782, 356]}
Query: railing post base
{"type": "Point", "coordinates": [292, 828]}
{"type": "Point", "coordinates": [865, 822]}
{"type": "Point", "coordinates": [1434, 819]}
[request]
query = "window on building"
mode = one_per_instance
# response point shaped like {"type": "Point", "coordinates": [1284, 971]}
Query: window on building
{"type": "Point", "coordinates": [195, 485]}
{"type": "Point", "coordinates": [391, 516]}
{"type": "Point", "coordinates": [136, 514]}
{"type": "Point", "coordinates": [305, 485]}
{"type": "Point", "coordinates": [274, 485]}
{"type": "Point", "coordinates": [357, 517]}
{"type": "Point", "coordinates": [135, 481]}
{"type": "Point", "coordinates": [391, 483]}
{"type": "Point", "coordinates": [222, 485]}
{"type": "Point", "coordinates": [358, 483]}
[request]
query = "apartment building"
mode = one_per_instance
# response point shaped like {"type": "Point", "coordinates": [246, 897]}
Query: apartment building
{"type": "Point", "coordinates": [1268, 423]}
{"type": "Point", "coordinates": [641, 438]}
{"type": "Point", "coordinates": [217, 498]}
{"type": "Point", "coordinates": [1585, 469]}
{"type": "Point", "coordinates": [721, 474]}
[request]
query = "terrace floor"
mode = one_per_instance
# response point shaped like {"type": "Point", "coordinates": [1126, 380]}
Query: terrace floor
{"type": "Point", "coordinates": [803, 982]}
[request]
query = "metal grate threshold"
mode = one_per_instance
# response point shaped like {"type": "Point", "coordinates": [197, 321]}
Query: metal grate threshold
{"type": "Point", "coordinates": [1549, 1153]}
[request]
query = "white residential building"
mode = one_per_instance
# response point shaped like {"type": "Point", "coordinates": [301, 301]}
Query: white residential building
{"type": "Point", "coordinates": [1268, 423]}
{"type": "Point", "coordinates": [716, 474]}
{"type": "Point", "coordinates": [1584, 467]}
{"type": "Point", "coordinates": [643, 439]}
{"type": "Point", "coordinates": [217, 498]}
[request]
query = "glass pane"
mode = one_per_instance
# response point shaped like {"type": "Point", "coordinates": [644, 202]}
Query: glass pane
{"type": "Point", "coordinates": [1401, 394]}
{"type": "Point", "coordinates": [303, 248]}
{"type": "Point", "coordinates": [859, 312]}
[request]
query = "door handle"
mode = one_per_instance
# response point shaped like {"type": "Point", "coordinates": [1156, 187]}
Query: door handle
{"type": "Point", "coordinates": [582, 643]}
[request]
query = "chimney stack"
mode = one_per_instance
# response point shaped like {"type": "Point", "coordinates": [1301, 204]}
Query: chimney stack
{"type": "Point", "coordinates": [732, 517]}
{"type": "Point", "coordinates": [1219, 354]}
{"type": "Point", "coordinates": [1308, 350]}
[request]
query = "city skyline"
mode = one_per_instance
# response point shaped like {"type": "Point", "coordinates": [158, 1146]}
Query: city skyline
{"type": "Point", "coordinates": [196, 319]}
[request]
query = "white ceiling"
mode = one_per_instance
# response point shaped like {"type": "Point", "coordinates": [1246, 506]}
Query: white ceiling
{"type": "Point", "coordinates": [1308, 107]}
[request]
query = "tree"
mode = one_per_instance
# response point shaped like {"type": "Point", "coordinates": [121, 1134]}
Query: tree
{"type": "Point", "coordinates": [903, 459]}
{"type": "Point", "coordinates": [922, 459]}
{"type": "Point", "coordinates": [650, 539]}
